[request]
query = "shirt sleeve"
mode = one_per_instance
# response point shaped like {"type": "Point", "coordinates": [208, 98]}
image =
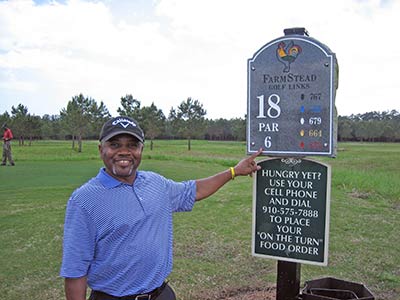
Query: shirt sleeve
{"type": "Point", "coordinates": [78, 243]}
{"type": "Point", "coordinates": [182, 195]}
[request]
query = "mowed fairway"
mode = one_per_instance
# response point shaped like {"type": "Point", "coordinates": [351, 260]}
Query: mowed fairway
{"type": "Point", "coordinates": [213, 242]}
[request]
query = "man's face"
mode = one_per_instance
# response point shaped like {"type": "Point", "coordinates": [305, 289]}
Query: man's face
{"type": "Point", "coordinates": [121, 156]}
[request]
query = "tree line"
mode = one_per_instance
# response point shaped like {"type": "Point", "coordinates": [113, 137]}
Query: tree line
{"type": "Point", "coordinates": [83, 117]}
{"type": "Point", "coordinates": [371, 126]}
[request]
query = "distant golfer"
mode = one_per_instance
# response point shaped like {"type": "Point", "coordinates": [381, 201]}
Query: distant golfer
{"type": "Point", "coordinates": [7, 137]}
{"type": "Point", "coordinates": [118, 226]}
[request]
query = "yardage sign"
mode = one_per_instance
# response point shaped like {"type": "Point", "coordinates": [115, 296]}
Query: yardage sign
{"type": "Point", "coordinates": [291, 210]}
{"type": "Point", "coordinates": [292, 83]}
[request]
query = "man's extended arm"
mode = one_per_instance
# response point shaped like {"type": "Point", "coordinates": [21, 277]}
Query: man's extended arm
{"type": "Point", "coordinates": [208, 186]}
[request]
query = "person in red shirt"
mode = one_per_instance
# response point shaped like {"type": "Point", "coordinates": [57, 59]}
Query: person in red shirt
{"type": "Point", "coordinates": [7, 137]}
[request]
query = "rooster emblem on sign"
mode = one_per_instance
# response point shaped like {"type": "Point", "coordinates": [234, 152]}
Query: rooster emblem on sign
{"type": "Point", "coordinates": [287, 54]}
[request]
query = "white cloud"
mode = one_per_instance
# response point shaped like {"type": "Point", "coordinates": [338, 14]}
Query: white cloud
{"type": "Point", "coordinates": [166, 51]}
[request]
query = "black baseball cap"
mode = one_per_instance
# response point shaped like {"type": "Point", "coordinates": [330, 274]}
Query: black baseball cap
{"type": "Point", "coordinates": [121, 125]}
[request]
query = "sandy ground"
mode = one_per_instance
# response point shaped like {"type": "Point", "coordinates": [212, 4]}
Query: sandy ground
{"type": "Point", "coordinates": [267, 293]}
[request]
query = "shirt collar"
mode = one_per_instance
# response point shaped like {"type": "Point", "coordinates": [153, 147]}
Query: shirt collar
{"type": "Point", "coordinates": [110, 182]}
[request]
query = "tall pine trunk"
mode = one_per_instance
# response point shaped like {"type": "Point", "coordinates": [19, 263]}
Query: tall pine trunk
{"type": "Point", "coordinates": [80, 143]}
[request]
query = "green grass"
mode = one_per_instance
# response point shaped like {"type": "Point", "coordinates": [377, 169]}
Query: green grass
{"type": "Point", "coordinates": [213, 242]}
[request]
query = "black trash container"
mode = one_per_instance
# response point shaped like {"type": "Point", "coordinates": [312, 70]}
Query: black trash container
{"type": "Point", "coordinates": [333, 289]}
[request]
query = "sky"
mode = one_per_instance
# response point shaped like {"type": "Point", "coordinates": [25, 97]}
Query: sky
{"type": "Point", "coordinates": [164, 51]}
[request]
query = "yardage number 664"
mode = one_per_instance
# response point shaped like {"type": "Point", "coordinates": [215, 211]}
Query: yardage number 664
{"type": "Point", "coordinates": [273, 112]}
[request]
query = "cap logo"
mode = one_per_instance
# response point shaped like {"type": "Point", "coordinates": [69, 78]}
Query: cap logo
{"type": "Point", "coordinates": [124, 122]}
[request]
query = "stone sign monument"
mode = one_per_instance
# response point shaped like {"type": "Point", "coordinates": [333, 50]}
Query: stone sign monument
{"type": "Point", "coordinates": [292, 83]}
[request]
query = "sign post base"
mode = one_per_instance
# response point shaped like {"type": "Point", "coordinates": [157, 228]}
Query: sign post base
{"type": "Point", "coordinates": [288, 280]}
